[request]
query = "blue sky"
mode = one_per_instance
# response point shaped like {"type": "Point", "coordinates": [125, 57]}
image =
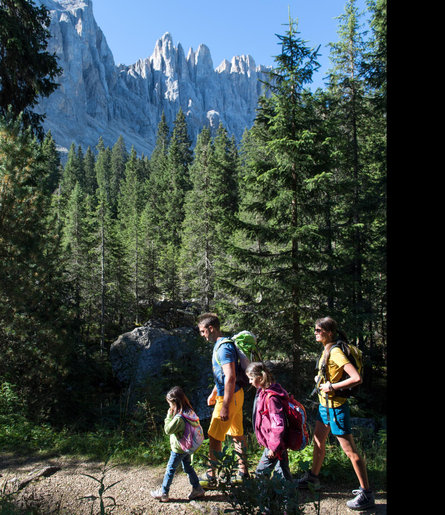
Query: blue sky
{"type": "Point", "coordinates": [227, 27]}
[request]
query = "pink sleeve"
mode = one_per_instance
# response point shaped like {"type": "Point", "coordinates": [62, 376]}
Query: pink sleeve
{"type": "Point", "coordinates": [277, 425]}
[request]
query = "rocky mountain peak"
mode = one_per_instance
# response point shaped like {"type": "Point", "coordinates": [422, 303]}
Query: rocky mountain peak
{"type": "Point", "coordinates": [97, 98]}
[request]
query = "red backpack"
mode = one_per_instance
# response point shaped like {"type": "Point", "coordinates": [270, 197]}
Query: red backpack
{"type": "Point", "coordinates": [297, 436]}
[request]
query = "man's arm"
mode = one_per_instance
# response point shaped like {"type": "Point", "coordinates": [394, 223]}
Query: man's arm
{"type": "Point", "coordinates": [229, 388]}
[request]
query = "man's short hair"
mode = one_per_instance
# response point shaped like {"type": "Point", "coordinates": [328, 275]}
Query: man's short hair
{"type": "Point", "coordinates": [207, 319]}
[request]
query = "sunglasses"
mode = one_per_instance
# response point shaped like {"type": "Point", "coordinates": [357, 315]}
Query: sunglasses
{"type": "Point", "coordinates": [318, 330]}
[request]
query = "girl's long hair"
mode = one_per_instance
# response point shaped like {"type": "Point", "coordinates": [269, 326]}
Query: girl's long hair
{"type": "Point", "coordinates": [177, 396]}
{"type": "Point", "coordinates": [258, 369]}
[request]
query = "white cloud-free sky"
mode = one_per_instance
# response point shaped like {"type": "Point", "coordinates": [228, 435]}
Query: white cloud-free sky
{"type": "Point", "coordinates": [226, 27]}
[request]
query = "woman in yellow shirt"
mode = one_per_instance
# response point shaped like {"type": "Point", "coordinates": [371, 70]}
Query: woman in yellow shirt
{"type": "Point", "coordinates": [334, 415]}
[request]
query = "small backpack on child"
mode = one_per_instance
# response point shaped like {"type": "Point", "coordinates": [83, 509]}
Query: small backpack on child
{"type": "Point", "coordinates": [297, 436]}
{"type": "Point", "coordinates": [193, 435]}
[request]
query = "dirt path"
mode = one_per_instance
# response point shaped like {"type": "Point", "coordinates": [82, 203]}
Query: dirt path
{"type": "Point", "coordinates": [62, 492]}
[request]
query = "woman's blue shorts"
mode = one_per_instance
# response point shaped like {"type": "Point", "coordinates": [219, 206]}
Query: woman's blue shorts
{"type": "Point", "coordinates": [340, 419]}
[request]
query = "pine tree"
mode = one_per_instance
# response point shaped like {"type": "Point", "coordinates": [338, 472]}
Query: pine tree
{"type": "Point", "coordinates": [209, 207]}
{"type": "Point", "coordinates": [357, 201]}
{"type": "Point", "coordinates": [52, 159]}
{"type": "Point", "coordinates": [104, 230]}
{"type": "Point", "coordinates": [119, 158]}
{"type": "Point", "coordinates": [27, 70]}
{"type": "Point", "coordinates": [90, 180]}
{"type": "Point", "coordinates": [33, 341]}
{"type": "Point", "coordinates": [199, 231]}
{"type": "Point", "coordinates": [149, 261]}
{"type": "Point", "coordinates": [72, 171]}
{"type": "Point", "coordinates": [75, 246]}
{"type": "Point", "coordinates": [157, 182]}
{"type": "Point", "coordinates": [129, 209]}
{"type": "Point", "coordinates": [176, 183]}
{"type": "Point", "coordinates": [275, 223]}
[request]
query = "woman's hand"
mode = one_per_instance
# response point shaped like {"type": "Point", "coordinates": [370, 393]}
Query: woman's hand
{"type": "Point", "coordinates": [270, 454]}
{"type": "Point", "coordinates": [326, 387]}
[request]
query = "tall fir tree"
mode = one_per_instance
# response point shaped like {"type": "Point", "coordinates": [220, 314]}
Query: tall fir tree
{"type": "Point", "coordinates": [90, 180]}
{"type": "Point", "coordinates": [210, 205]}
{"type": "Point", "coordinates": [176, 183]}
{"type": "Point", "coordinates": [129, 212]}
{"type": "Point", "coordinates": [27, 70]}
{"type": "Point", "coordinates": [72, 171]}
{"type": "Point", "coordinates": [198, 230]}
{"type": "Point", "coordinates": [52, 159]}
{"type": "Point", "coordinates": [357, 201]}
{"type": "Point", "coordinates": [119, 156]}
{"type": "Point", "coordinates": [34, 331]}
{"type": "Point", "coordinates": [75, 245]}
{"type": "Point", "coordinates": [105, 233]}
{"type": "Point", "coordinates": [275, 223]}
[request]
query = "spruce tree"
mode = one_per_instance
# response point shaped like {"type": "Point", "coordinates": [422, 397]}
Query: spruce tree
{"type": "Point", "coordinates": [72, 171]}
{"type": "Point", "coordinates": [119, 158]}
{"type": "Point", "coordinates": [129, 212]}
{"type": "Point", "coordinates": [357, 201]}
{"type": "Point", "coordinates": [104, 232]}
{"type": "Point", "coordinates": [274, 221]}
{"type": "Point", "coordinates": [27, 71]}
{"type": "Point", "coordinates": [75, 245]}
{"type": "Point", "coordinates": [176, 183]}
{"type": "Point", "coordinates": [52, 159]}
{"type": "Point", "coordinates": [157, 182]}
{"type": "Point", "coordinates": [34, 332]}
{"type": "Point", "coordinates": [198, 230]}
{"type": "Point", "coordinates": [210, 205]}
{"type": "Point", "coordinates": [90, 180]}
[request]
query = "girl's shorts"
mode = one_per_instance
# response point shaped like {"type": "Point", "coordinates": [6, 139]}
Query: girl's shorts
{"type": "Point", "coordinates": [340, 419]}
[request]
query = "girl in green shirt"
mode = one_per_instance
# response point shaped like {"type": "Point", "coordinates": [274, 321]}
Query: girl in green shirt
{"type": "Point", "coordinates": [174, 425]}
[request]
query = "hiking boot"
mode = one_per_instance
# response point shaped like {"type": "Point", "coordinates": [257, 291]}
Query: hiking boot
{"type": "Point", "coordinates": [208, 481]}
{"type": "Point", "coordinates": [309, 480]}
{"type": "Point", "coordinates": [196, 492]}
{"type": "Point", "coordinates": [160, 495]}
{"type": "Point", "coordinates": [363, 499]}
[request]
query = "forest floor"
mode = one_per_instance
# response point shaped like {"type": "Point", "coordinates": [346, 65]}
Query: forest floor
{"type": "Point", "coordinates": [69, 491]}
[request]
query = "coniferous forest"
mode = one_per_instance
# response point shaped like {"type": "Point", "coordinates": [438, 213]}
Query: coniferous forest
{"type": "Point", "coordinates": [272, 232]}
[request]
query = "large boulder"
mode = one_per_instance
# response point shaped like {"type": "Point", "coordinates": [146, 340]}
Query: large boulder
{"type": "Point", "coordinates": [167, 351]}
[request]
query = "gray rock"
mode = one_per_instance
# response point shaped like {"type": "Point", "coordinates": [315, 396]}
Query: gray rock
{"type": "Point", "coordinates": [143, 356]}
{"type": "Point", "coordinates": [98, 98]}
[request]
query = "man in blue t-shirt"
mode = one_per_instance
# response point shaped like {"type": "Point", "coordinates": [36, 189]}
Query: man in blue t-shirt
{"type": "Point", "coordinates": [226, 396]}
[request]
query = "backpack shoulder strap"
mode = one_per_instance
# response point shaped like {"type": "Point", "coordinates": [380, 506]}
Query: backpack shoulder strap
{"type": "Point", "coordinates": [343, 346]}
{"type": "Point", "coordinates": [225, 340]}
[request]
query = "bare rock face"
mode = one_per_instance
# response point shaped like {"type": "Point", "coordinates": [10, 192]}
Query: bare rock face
{"type": "Point", "coordinates": [97, 98]}
{"type": "Point", "coordinates": [167, 348]}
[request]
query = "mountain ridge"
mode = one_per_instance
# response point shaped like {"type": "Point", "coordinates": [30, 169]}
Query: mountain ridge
{"type": "Point", "coordinates": [97, 98]}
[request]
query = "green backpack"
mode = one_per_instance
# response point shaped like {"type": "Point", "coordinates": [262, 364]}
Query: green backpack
{"type": "Point", "coordinates": [246, 342]}
{"type": "Point", "coordinates": [246, 350]}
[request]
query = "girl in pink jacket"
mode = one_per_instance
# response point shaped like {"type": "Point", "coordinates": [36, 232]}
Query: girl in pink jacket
{"type": "Point", "coordinates": [269, 421]}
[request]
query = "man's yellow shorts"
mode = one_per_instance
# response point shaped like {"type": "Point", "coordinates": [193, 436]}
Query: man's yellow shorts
{"type": "Point", "coordinates": [218, 428]}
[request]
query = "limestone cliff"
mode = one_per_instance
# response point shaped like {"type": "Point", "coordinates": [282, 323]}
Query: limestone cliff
{"type": "Point", "coordinates": [98, 98]}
